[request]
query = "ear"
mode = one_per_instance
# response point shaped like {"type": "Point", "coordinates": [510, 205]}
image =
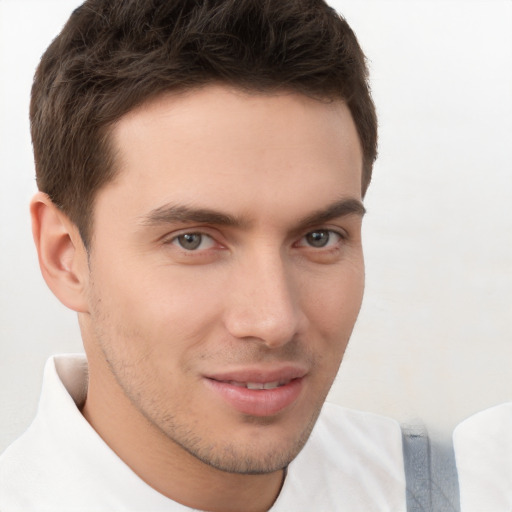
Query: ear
{"type": "Point", "coordinates": [61, 252]}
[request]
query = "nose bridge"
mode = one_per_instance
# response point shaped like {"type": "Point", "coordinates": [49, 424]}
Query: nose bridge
{"type": "Point", "coordinates": [264, 304]}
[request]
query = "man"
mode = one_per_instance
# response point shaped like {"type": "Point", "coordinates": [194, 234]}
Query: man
{"type": "Point", "coordinates": [201, 168]}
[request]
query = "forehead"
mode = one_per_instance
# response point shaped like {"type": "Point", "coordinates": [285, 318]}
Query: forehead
{"type": "Point", "coordinates": [219, 146]}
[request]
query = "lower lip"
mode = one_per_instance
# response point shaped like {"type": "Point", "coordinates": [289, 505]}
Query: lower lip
{"type": "Point", "coordinates": [257, 402]}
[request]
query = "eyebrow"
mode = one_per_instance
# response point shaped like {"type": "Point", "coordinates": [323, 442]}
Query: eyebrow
{"type": "Point", "coordinates": [341, 208]}
{"type": "Point", "coordinates": [170, 213]}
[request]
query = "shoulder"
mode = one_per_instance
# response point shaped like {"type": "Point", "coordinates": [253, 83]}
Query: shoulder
{"type": "Point", "coordinates": [17, 466]}
{"type": "Point", "coordinates": [358, 425]}
{"type": "Point", "coordinates": [363, 442]}
{"type": "Point", "coordinates": [483, 453]}
{"type": "Point", "coordinates": [488, 422]}
{"type": "Point", "coordinates": [39, 464]}
{"type": "Point", "coordinates": [352, 461]}
{"type": "Point", "coordinates": [486, 435]}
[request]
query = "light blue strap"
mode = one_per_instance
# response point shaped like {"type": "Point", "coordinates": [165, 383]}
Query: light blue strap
{"type": "Point", "coordinates": [430, 472]}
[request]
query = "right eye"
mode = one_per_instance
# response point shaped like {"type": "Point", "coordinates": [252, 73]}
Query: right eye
{"type": "Point", "coordinates": [320, 239]}
{"type": "Point", "coordinates": [193, 241]}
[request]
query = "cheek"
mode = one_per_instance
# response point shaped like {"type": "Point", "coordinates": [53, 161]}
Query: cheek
{"type": "Point", "coordinates": [333, 302]}
{"type": "Point", "coordinates": [158, 310]}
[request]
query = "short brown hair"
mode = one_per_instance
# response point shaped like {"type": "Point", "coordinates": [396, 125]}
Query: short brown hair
{"type": "Point", "coordinates": [111, 56]}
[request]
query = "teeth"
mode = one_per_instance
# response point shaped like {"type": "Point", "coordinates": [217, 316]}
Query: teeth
{"type": "Point", "coordinates": [260, 385]}
{"type": "Point", "coordinates": [272, 385]}
{"type": "Point", "coordinates": [237, 384]}
{"type": "Point", "coordinates": [257, 385]}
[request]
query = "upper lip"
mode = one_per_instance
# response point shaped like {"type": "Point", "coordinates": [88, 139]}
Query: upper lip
{"type": "Point", "coordinates": [260, 375]}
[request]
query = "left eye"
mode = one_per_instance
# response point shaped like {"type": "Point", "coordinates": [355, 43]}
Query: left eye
{"type": "Point", "coordinates": [193, 241]}
{"type": "Point", "coordinates": [321, 238]}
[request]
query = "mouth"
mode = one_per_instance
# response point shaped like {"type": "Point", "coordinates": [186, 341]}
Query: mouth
{"type": "Point", "coordinates": [258, 385]}
{"type": "Point", "coordinates": [258, 393]}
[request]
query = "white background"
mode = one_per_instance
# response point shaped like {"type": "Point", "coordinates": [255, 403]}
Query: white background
{"type": "Point", "coordinates": [434, 340]}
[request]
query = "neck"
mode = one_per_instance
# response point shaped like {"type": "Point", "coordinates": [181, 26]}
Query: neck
{"type": "Point", "coordinates": [166, 466]}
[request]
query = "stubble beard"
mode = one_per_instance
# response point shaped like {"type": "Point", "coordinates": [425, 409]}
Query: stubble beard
{"type": "Point", "coordinates": [247, 459]}
{"type": "Point", "coordinates": [230, 457]}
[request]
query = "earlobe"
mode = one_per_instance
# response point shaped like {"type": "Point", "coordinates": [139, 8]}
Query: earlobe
{"type": "Point", "coordinates": [62, 255]}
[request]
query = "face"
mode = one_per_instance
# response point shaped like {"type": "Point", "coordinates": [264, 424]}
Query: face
{"type": "Point", "coordinates": [226, 270]}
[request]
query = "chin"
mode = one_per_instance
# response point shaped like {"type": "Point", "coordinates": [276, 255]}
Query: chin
{"type": "Point", "coordinates": [262, 453]}
{"type": "Point", "coordinates": [244, 462]}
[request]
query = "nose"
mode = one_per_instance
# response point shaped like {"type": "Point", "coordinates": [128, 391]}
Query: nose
{"type": "Point", "coordinates": [264, 302]}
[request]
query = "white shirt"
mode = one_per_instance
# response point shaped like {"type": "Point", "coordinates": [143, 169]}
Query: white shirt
{"type": "Point", "coordinates": [483, 452]}
{"type": "Point", "coordinates": [351, 463]}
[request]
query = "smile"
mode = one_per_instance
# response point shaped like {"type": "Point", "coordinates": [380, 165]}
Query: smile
{"type": "Point", "coordinates": [258, 393]}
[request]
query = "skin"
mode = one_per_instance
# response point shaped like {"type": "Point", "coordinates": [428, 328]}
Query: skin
{"type": "Point", "coordinates": [229, 243]}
